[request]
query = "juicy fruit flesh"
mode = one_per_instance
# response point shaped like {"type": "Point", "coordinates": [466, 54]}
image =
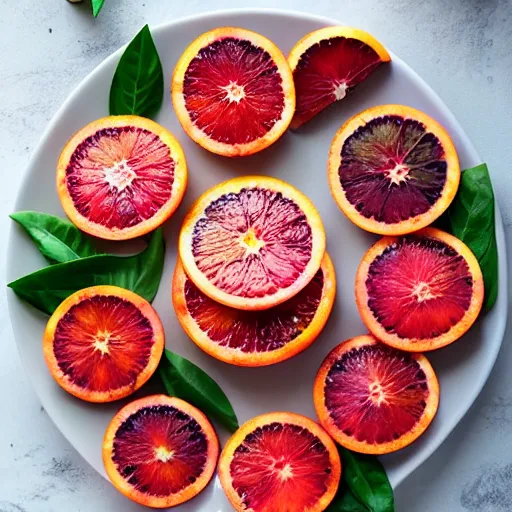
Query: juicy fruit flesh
{"type": "Point", "coordinates": [120, 177]}
{"type": "Point", "coordinates": [419, 288]}
{"type": "Point", "coordinates": [392, 169]}
{"type": "Point", "coordinates": [249, 331]}
{"type": "Point", "coordinates": [252, 243]}
{"type": "Point", "coordinates": [160, 450]}
{"type": "Point", "coordinates": [233, 91]}
{"type": "Point", "coordinates": [328, 70]}
{"type": "Point", "coordinates": [280, 467]}
{"type": "Point", "coordinates": [376, 394]}
{"type": "Point", "coordinates": [103, 343]}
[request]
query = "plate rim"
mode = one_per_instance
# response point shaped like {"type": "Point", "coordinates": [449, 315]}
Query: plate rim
{"type": "Point", "coordinates": [448, 427]}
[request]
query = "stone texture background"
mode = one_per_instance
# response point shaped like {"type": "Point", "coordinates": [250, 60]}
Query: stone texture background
{"type": "Point", "coordinates": [463, 48]}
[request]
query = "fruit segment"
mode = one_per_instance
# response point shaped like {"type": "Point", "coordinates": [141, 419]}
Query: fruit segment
{"type": "Point", "coordinates": [280, 461]}
{"type": "Point", "coordinates": [252, 242]}
{"type": "Point", "coordinates": [121, 176]}
{"type": "Point", "coordinates": [160, 451]}
{"type": "Point", "coordinates": [419, 292]}
{"type": "Point", "coordinates": [102, 343]}
{"type": "Point", "coordinates": [327, 64]}
{"type": "Point", "coordinates": [255, 338]}
{"type": "Point", "coordinates": [393, 170]}
{"type": "Point", "coordinates": [372, 398]}
{"type": "Point", "coordinates": [233, 91]}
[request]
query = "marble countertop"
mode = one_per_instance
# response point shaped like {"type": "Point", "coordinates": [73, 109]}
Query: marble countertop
{"type": "Point", "coordinates": [461, 47]}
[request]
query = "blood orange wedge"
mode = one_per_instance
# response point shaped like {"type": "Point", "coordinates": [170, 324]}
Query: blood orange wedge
{"type": "Point", "coordinates": [375, 399]}
{"type": "Point", "coordinates": [393, 170]}
{"type": "Point", "coordinates": [120, 177]}
{"type": "Point", "coordinates": [280, 462]}
{"type": "Point", "coordinates": [252, 242]}
{"type": "Point", "coordinates": [103, 343]}
{"type": "Point", "coordinates": [327, 64]}
{"type": "Point", "coordinates": [160, 451]}
{"type": "Point", "coordinates": [419, 292]}
{"type": "Point", "coordinates": [233, 91]}
{"type": "Point", "coordinates": [255, 338]}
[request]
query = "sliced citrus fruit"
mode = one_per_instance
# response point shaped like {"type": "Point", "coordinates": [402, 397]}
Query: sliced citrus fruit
{"type": "Point", "coordinates": [233, 91]}
{"type": "Point", "coordinates": [120, 177]}
{"type": "Point", "coordinates": [419, 292]}
{"type": "Point", "coordinates": [103, 343]}
{"type": "Point", "coordinates": [280, 462]}
{"type": "Point", "coordinates": [252, 242]}
{"type": "Point", "coordinates": [393, 170]}
{"type": "Point", "coordinates": [375, 399]}
{"type": "Point", "coordinates": [160, 451]}
{"type": "Point", "coordinates": [327, 64]}
{"type": "Point", "coordinates": [255, 338]}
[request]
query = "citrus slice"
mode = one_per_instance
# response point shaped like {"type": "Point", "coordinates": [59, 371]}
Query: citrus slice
{"type": "Point", "coordinates": [252, 242]}
{"type": "Point", "coordinates": [327, 64]}
{"type": "Point", "coordinates": [103, 343]}
{"type": "Point", "coordinates": [120, 177]}
{"type": "Point", "coordinates": [419, 292]}
{"type": "Point", "coordinates": [233, 91]}
{"type": "Point", "coordinates": [280, 462]}
{"type": "Point", "coordinates": [255, 338]}
{"type": "Point", "coordinates": [160, 451]}
{"type": "Point", "coordinates": [375, 399]}
{"type": "Point", "coordinates": [393, 170]}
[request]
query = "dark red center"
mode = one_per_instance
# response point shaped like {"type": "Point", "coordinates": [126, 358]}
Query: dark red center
{"type": "Point", "coordinates": [233, 91]}
{"type": "Point", "coordinates": [120, 177]}
{"type": "Point", "coordinates": [160, 450]}
{"type": "Point", "coordinates": [252, 243]}
{"type": "Point", "coordinates": [103, 343]}
{"type": "Point", "coordinates": [392, 169]}
{"type": "Point", "coordinates": [280, 467]}
{"type": "Point", "coordinates": [419, 288]}
{"type": "Point", "coordinates": [375, 393]}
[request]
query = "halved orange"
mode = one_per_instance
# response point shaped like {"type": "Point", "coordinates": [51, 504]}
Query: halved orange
{"type": "Point", "coordinates": [419, 292]}
{"type": "Point", "coordinates": [280, 462]}
{"type": "Point", "coordinates": [252, 242]}
{"type": "Point", "coordinates": [121, 177]}
{"type": "Point", "coordinates": [327, 64]}
{"type": "Point", "coordinates": [160, 451]}
{"type": "Point", "coordinates": [393, 169]}
{"type": "Point", "coordinates": [375, 399]}
{"type": "Point", "coordinates": [255, 338]}
{"type": "Point", "coordinates": [103, 343]}
{"type": "Point", "coordinates": [233, 91]}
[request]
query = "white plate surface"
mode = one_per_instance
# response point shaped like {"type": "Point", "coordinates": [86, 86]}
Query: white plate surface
{"type": "Point", "coordinates": [299, 158]}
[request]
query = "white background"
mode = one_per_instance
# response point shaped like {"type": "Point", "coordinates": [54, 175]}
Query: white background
{"type": "Point", "coordinates": [463, 48]}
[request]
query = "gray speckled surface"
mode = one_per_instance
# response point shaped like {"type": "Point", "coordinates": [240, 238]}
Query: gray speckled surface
{"type": "Point", "coordinates": [463, 48]}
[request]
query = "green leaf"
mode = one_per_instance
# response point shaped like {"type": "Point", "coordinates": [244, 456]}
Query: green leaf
{"type": "Point", "coordinates": [57, 239]}
{"type": "Point", "coordinates": [365, 476]}
{"type": "Point", "coordinates": [185, 380]}
{"type": "Point", "coordinates": [141, 273]}
{"type": "Point", "coordinates": [138, 84]}
{"type": "Point", "coordinates": [345, 501]}
{"type": "Point", "coordinates": [471, 219]}
{"type": "Point", "coordinates": [96, 6]}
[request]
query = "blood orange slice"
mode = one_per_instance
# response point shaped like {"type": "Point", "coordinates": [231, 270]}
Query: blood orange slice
{"type": "Point", "coordinates": [160, 451]}
{"type": "Point", "coordinates": [419, 292]}
{"type": "Point", "coordinates": [103, 343]}
{"type": "Point", "coordinates": [372, 398]}
{"type": "Point", "coordinates": [327, 64]}
{"type": "Point", "coordinates": [280, 462]}
{"type": "Point", "coordinates": [233, 92]}
{"type": "Point", "coordinates": [393, 170]}
{"type": "Point", "coordinates": [252, 242]}
{"type": "Point", "coordinates": [120, 177]}
{"type": "Point", "coordinates": [255, 338]}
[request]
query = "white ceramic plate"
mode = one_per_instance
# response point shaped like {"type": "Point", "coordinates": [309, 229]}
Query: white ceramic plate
{"type": "Point", "coordinates": [299, 158]}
